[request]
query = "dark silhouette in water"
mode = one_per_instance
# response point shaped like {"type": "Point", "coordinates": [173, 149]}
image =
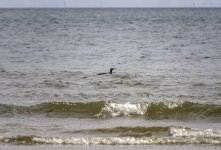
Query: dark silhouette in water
{"type": "Point", "coordinates": [111, 70]}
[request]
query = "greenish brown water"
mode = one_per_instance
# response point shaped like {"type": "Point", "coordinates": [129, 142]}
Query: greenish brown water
{"type": "Point", "coordinates": [162, 110]}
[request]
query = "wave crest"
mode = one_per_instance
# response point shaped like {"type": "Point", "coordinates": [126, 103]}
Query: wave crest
{"type": "Point", "coordinates": [158, 135]}
{"type": "Point", "coordinates": [127, 109]}
{"type": "Point", "coordinates": [148, 110]}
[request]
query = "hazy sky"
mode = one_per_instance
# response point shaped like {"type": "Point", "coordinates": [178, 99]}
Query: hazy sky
{"type": "Point", "coordinates": [110, 3]}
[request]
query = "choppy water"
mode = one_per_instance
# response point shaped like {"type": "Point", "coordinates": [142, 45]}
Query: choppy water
{"type": "Point", "coordinates": [166, 89]}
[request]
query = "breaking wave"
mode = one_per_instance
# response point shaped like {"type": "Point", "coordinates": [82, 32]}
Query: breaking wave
{"type": "Point", "coordinates": [101, 109]}
{"type": "Point", "coordinates": [173, 136]}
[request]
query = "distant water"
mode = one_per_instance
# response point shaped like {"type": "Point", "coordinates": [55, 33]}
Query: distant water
{"type": "Point", "coordinates": [164, 94]}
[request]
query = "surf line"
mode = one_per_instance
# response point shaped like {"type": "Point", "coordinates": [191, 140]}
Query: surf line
{"type": "Point", "coordinates": [110, 72]}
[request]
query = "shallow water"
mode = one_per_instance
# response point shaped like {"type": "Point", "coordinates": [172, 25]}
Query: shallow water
{"type": "Point", "coordinates": [165, 89]}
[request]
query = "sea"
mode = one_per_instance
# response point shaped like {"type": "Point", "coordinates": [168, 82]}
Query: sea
{"type": "Point", "coordinates": [164, 93]}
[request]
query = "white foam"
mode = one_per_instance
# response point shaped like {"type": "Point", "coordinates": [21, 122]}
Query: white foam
{"type": "Point", "coordinates": [191, 132]}
{"type": "Point", "coordinates": [115, 109]}
{"type": "Point", "coordinates": [172, 105]}
{"type": "Point", "coordinates": [126, 141]}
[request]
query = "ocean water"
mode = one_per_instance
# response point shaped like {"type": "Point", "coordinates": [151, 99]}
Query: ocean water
{"type": "Point", "coordinates": [165, 92]}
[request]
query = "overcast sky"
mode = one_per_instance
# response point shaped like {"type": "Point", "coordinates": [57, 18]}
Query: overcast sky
{"type": "Point", "coordinates": [110, 3]}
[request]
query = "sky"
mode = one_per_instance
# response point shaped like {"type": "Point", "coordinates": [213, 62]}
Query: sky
{"type": "Point", "coordinates": [109, 3]}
